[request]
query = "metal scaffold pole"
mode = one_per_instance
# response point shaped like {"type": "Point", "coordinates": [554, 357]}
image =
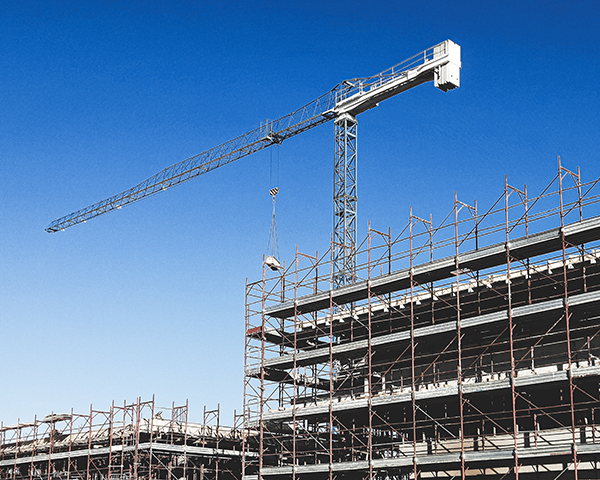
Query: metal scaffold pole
{"type": "Point", "coordinates": [562, 174]}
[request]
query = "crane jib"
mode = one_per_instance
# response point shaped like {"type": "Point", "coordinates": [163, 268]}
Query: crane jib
{"type": "Point", "coordinates": [440, 64]}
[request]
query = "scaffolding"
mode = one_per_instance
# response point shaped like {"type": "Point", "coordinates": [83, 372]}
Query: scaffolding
{"type": "Point", "coordinates": [128, 442]}
{"type": "Point", "coordinates": [465, 349]}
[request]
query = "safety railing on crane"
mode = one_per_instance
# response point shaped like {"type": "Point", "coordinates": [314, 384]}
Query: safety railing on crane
{"type": "Point", "coordinates": [365, 84]}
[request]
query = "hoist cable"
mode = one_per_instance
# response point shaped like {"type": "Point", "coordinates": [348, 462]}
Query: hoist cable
{"type": "Point", "coordinates": [273, 244]}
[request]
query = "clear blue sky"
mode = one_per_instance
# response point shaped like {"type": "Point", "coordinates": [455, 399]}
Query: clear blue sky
{"type": "Point", "coordinates": [97, 96]}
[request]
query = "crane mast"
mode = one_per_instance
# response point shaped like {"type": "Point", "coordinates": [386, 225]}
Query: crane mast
{"type": "Point", "coordinates": [440, 64]}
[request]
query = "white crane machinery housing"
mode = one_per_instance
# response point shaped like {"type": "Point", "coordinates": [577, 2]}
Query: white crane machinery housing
{"type": "Point", "coordinates": [441, 64]}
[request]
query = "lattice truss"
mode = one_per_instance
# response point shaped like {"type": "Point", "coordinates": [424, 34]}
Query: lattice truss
{"type": "Point", "coordinates": [470, 348]}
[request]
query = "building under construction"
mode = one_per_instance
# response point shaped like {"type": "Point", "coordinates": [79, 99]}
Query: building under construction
{"type": "Point", "coordinates": [127, 442]}
{"type": "Point", "coordinates": [465, 349]}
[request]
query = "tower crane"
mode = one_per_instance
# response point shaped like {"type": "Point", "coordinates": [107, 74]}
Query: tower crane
{"type": "Point", "coordinates": [440, 64]}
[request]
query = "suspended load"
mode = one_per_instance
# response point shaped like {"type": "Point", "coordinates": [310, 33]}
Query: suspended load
{"type": "Point", "coordinates": [272, 263]}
